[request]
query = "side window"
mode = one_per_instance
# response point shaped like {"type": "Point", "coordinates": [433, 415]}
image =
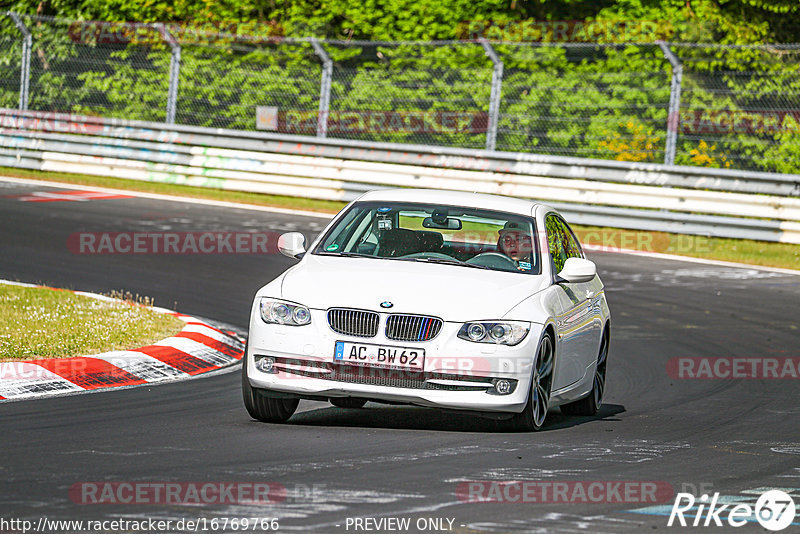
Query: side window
{"type": "Point", "coordinates": [337, 241]}
{"type": "Point", "coordinates": [571, 245]}
{"type": "Point", "coordinates": [555, 243]}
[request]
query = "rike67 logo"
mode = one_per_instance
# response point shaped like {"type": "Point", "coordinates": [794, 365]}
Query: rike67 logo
{"type": "Point", "coordinates": [774, 510]}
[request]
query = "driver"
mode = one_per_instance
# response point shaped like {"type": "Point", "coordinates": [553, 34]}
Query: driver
{"type": "Point", "coordinates": [515, 242]}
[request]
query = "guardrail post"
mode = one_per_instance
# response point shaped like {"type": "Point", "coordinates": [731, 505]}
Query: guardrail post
{"type": "Point", "coordinates": [25, 65]}
{"type": "Point", "coordinates": [324, 89]}
{"type": "Point", "coordinates": [673, 117]}
{"type": "Point", "coordinates": [494, 97]}
{"type": "Point", "coordinates": [174, 72]}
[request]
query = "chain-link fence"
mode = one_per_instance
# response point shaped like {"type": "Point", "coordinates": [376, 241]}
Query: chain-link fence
{"type": "Point", "coordinates": [689, 104]}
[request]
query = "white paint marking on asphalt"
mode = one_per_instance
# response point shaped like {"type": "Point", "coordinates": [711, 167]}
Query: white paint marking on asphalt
{"type": "Point", "coordinates": [689, 259]}
{"type": "Point", "coordinates": [171, 198]}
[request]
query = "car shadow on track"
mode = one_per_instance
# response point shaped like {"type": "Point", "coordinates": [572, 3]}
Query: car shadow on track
{"type": "Point", "coordinates": [556, 420]}
{"type": "Point", "coordinates": [418, 418]}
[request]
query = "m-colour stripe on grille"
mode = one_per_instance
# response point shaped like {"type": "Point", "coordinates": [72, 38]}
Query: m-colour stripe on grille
{"type": "Point", "coordinates": [412, 327]}
{"type": "Point", "coordinates": [359, 323]}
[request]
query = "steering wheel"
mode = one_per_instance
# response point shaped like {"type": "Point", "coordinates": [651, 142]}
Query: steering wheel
{"type": "Point", "coordinates": [493, 260]}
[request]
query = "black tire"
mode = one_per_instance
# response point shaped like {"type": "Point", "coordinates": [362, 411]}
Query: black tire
{"type": "Point", "coordinates": [533, 416]}
{"type": "Point", "coordinates": [262, 408]}
{"type": "Point", "coordinates": [348, 402]}
{"type": "Point", "coordinates": [590, 404]}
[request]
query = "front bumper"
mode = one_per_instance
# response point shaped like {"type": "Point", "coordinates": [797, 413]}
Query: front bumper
{"type": "Point", "coordinates": [458, 374]}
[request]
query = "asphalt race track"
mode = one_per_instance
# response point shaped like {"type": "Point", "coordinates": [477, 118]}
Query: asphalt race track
{"type": "Point", "coordinates": [726, 436]}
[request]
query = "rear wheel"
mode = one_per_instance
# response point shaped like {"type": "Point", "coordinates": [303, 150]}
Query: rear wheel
{"type": "Point", "coordinates": [535, 412]}
{"type": "Point", "coordinates": [262, 408]}
{"type": "Point", "coordinates": [348, 402]}
{"type": "Point", "coordinates": [590, 404]}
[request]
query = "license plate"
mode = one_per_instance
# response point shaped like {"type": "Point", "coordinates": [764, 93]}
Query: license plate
{"type": "Point", "coordinates": [368, 355]}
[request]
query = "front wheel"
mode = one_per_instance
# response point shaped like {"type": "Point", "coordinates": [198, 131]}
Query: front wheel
{"type": "Point", "coordinates": [535, 412]}
{"type": "Point", "coordinates": [590, 404]}
{"type": "Point", "coordinates": [265, 409]}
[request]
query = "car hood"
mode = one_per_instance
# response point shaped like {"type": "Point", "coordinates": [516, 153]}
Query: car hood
{"type": "Point", "coordinates": [451, 292]}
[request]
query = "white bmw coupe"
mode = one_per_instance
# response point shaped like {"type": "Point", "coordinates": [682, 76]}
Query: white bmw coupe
{"type": "Point", "coordinates": [463, 301]}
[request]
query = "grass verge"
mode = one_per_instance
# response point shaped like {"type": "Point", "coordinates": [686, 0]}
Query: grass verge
{"type": "Point", "coordinates": [734, 250]}
{"type": "Point", "coordinates": [761, 253]}
{"type": "Point", "coordinates": [45, 323]}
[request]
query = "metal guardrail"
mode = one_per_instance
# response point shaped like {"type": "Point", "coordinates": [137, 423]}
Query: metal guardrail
{"type": "Point", "coordinates": [714, 202]}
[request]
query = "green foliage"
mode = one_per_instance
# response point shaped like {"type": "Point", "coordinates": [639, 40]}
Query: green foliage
{"type": "Point", "coordinates": [606, 101]}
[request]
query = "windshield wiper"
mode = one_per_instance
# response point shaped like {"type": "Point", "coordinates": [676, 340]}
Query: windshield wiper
{"type": "Point", "coordinates": [346, 254]}
{"type": "Point", "coordinates": [444, 261]}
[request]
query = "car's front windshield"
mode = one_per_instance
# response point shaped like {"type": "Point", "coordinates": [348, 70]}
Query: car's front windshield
{"type": "Point", "coordinates": [461, 236]}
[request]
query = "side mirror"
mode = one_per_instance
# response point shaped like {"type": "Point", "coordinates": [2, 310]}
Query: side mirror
{"type": "Point", "coordinates": [577, 270]}
{"type": "Point", "coordinates": [292, 244]}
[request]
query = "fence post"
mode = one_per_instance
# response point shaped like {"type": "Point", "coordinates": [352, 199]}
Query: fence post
{"type": "Point", "coordinates": [174, 72]}
{"type": "Point", "coordinates": [25, 64]}
{"type": "Point", "coordinates": [324, 89]}
{"type": "Point", "coordinates": [673, 117]}
{"type": "Point", "coordinates": [494, 97]}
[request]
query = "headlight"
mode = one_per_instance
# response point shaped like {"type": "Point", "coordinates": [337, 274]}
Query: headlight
{"type": "Point", "coordinates": [281, 312]}
{"type": "Point", "coordinates": [499, 332]}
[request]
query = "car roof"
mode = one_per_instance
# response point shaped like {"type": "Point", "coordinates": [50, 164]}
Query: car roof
{"type": "Point", "coordinates": [520, 206]}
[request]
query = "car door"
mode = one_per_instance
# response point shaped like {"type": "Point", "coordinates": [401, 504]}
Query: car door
{"type": "Point", "coordinates": [577, 321]}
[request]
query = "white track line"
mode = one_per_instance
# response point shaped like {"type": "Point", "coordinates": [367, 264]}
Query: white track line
{"type": "Point", "coordinates": [171, 198]}
{"type": "Point", "coordinates": [689, 259]}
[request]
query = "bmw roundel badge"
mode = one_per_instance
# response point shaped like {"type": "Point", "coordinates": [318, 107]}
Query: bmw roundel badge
{"type": "Point", "coordinates": [386, 304]}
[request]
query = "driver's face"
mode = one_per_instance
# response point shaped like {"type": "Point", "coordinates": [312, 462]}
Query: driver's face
{"type": "Point", "coordinates": [516, 245]}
